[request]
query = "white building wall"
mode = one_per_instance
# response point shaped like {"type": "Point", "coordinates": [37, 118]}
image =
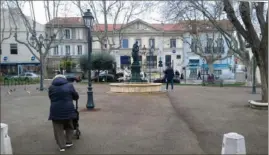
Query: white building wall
{"type": "Point", "coordinates": [24, 55]}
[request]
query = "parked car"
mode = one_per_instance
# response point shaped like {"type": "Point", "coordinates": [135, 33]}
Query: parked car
{"type": "Point", "coordinates": [27, 75]}
{"type": "Point", "coordinates": [72, 77]}
{"type": "Point", "coordinates": [104, 78]}
{"type": "Point", "coordinates": [162, 80]}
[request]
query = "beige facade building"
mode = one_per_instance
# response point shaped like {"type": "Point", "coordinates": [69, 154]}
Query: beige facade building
{"type": "Point", "coordinates": [164, 38]}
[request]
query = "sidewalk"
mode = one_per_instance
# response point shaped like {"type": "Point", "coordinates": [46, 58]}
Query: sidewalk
{"type": "Point", "coordinates": [126, 123]}
{"type": "Point", "coordinates": [211, 112]}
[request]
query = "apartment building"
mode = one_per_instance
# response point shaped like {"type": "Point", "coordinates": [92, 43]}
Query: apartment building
{"type": "Point", "coordinates": [164, 38]}
{"type": "Point", "coordinates": [167, 41]}
{"type": "Point", "coordinates": [16, 58]}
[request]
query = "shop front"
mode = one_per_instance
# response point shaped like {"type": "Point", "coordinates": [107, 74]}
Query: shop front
{"type": "Point", "coordinates": [19, 68]}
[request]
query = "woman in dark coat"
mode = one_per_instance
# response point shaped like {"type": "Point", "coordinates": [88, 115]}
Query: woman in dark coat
{"type": "Point", "coordinates": [62, 110]}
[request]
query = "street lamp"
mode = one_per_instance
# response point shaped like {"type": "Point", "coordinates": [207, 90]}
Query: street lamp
{"type": "Point", "coordinates": [151, 51]}
{"type": "Point", "coordinates": [88, 21]}
{"type": "Point", "coordinates": [38, 43]}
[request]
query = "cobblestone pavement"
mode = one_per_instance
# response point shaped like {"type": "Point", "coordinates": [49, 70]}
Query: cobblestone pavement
{"type": "Point", "coordinates": [211, 112]}
{"type": "Point", "coordinates": [126, 123]}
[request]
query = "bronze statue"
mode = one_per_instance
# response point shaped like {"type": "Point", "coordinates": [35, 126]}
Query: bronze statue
{"type": "Point", "coordinates": [135, 52]}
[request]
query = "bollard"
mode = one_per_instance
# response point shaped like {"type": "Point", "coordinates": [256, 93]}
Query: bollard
{"type": "Point", "coordinates": [233, 143]}
{"type": "Point", "coordinates": [6, 147]}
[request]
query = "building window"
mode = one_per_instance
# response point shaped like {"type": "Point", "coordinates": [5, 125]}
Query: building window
{"type": "Point", "coordinates": [151, 43]}
{"type": "Point", "coordinates": [125, 43]}
{"type": "Point", "coordinates": [168, 60]}
{"type": "Point", "coordinates": [173, 43]}
{"type": "Point", "coordinates": [67, 50]}
{"type": "Point", "coordinates": [79, 33]}
{"type": "Point", "coordinates": [139, 42]}
{"type": "Point", "coordinates": [151, 61]}
{"type": "Point", "coordinates": [13, 48]}
{"type": "Point", "coordinates": [137, 25]}
{"type": "Point", "coordinates": [67, 33]}
{"type": "Point", "coordinates": [79, 48]}
{"type": "Point", "coordinates": [178, 56]}
{"type": "Point", "coordinates": [56, 51]}
{"type": "Point", "coordinates": [217, 72]}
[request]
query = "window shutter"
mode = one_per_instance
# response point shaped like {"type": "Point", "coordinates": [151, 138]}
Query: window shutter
{"type": "Point", "coordinates": [125, 43]}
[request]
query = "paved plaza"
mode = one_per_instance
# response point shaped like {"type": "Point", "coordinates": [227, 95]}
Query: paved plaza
{"type": "Point", "coordinates": [189, 120]}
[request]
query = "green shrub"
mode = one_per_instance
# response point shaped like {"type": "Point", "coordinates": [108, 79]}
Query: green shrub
{"type": "Point", "coordinates": [19, 81]}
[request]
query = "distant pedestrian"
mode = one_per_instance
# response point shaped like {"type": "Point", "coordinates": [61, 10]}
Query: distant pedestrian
{"type": "Point", "coordinates": [169, 76]}
{"type": "Point", "coordinates": [199, 76]}
{"type": "Point", "coordinates": [62, 110]}
{"type": "Point", "coordinates": [177, 73]}
{"type": "Point", "coordinates": [182, 76]}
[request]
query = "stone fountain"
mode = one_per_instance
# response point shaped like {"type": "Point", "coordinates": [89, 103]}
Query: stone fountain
{"type": "Point", "coordinates": [135, 84]}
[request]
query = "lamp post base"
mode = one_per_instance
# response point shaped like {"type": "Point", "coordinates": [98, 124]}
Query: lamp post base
{"type": "Point", "coordinates": [90, 103]}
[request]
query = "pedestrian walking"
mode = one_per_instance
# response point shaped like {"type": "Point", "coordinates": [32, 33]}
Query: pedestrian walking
{"type": "Point", "coordinates": [177, 73]}
{"type": "Point", "coordinates": [169, 76]}
{"type": "Point", "coordinates": [199, 76]}
{"type": "Point", "coordinates": [62, 110]}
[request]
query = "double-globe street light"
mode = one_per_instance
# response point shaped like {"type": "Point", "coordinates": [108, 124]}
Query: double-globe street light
{"type": "Point", "coordinates": [39, 43]}
{"type": "Point", "coordinates": [88, 21]}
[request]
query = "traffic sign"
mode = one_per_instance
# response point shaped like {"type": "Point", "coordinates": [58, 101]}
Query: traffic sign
{"type": "Point", "coordinates": [33, 58]}
{"type": "Point", "coordinates": [174, 51]}
{"type": "Point", "coordinates": [5, 58]}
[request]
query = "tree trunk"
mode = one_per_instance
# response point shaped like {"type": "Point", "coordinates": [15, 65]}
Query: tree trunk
{"type": "Point", "coordinates": [264, 85]}
{"type": "Point", "coordinates": [210, 68]}
{"type": "Point", "coordinates": [262, 63]}
{"type": "Point", "coordinates": [42, 69]}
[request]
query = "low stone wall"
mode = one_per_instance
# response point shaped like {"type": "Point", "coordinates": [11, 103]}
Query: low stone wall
{"type": "Point", "coordinates": [135, 87]}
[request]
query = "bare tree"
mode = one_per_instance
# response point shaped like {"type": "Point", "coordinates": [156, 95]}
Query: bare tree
{"type": "Point", "coordinates": [258, 41]}
{"type": "Point", "coordinates": [235, 42]}
{"type": "Point", "coordinates": [38, 44]}
{"type": "Point", "coordinates": [5, 26]}
{"type": "Point", "coordinates": [244, 16]}
{"type": "Point", "coordinates": [206, 41]}
{"type": "Point", "coordinates": [121, 12]}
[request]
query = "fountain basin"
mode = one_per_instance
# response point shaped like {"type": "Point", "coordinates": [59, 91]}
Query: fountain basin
{"type": "Point", "coordinates": [135, 87]}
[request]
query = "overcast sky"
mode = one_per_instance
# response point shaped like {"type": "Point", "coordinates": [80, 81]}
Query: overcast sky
{"type": "Point", "coordinates": [73, 11]}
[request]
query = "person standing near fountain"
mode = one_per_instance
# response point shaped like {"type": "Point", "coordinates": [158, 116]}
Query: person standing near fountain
{"type": "Point", "coordinates": [169, 76]}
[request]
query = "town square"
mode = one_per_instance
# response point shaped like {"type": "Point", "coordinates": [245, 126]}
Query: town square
{"type": "Point", "coordinates": [127, 77]}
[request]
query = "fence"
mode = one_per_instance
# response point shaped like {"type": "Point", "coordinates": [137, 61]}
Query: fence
{"type": "Point", "coordinates": [12, 84]}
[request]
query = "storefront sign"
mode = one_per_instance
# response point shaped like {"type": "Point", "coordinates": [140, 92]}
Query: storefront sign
{"type": "Point", "coordinates": [174, 51]}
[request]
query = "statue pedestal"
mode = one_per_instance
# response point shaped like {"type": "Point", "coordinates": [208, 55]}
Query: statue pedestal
{"type": "Point", "coordinates": [135, 70]}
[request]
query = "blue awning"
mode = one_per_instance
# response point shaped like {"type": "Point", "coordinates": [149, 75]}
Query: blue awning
{"type": "Point", "coordinates": [216, 66]}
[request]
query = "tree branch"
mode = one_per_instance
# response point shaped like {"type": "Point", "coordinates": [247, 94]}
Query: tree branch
{"type": "Point", "coordinates": [228, 8]}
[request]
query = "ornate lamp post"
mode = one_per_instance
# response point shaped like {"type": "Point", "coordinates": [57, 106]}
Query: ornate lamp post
{"type": "Point", "coordinates": [151, 52]}
{"type": "Point", "coordinates": [38, 43]}
{"type": "Point", "coordinates": [88, 21]}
